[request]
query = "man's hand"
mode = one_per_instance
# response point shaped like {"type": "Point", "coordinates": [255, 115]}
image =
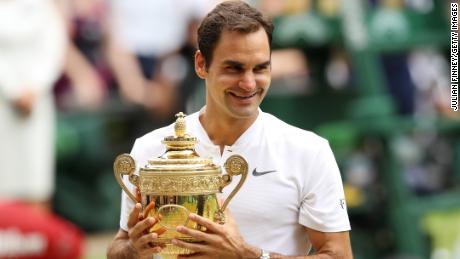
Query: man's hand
{"type": "Point", "coordinates": [138, 241]}
{"type": "Point", "coordinates": [138, 232]}
{"type": "Point", "coordinates": [219, 241]}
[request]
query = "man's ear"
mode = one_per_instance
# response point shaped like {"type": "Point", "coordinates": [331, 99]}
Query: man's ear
{"type": "Point", "coordinates": [200, 65]}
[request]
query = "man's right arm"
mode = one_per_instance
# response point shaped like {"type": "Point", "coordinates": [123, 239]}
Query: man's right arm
{"type": "Point", "coordinates": [121, 247]}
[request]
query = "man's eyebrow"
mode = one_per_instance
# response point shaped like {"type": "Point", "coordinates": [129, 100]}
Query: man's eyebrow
{"type": "Point", "coordinates": [264, 64]}
{"type": "Point", "coordinates": [239, 64]}
{"type": "Point", "coordinates": [232, 63]}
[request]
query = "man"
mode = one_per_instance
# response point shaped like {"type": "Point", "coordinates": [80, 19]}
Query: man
{"type": "Point", "coordinates": [293, 199]}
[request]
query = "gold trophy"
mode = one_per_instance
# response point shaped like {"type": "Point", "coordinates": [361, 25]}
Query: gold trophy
{"type": "Point", "coordinates": [177, 183]}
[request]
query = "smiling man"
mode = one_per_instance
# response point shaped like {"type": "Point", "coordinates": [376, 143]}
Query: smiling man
{"type": "Point", "coordinates": [292, 201]}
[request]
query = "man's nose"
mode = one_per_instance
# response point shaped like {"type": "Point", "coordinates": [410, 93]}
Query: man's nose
{"type": "Point", "coordinates": [248, 81]}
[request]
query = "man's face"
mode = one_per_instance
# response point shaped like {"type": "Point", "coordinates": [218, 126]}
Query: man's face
{"type": "Point", "coordinates": [239, 75]}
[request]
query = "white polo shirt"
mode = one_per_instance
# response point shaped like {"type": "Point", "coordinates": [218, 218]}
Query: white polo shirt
{"type": "Point", "coordinates": [293, 182]}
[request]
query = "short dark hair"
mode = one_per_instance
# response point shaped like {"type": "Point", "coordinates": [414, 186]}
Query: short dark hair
{"type": "Point", "coordinates": [230, 16]}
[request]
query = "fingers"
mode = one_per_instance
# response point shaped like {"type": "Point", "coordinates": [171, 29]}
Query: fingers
{"type": "Point", "coordinates": [210, 225]}
{"type": "Point", "coordinates": [148, 209]}
{"type": "Point", "coordinates": [144, 246]}
{"type": "Point", "coordinates": [138, 232]}
{"type": "Point", "coordinates": [146, 240]}
{"type": "Point", "coordinates": [160, 231]}
{"type": "Point", "coordinates": [195, 247]}
{"type": "Point", "coordinates": [153, 250]}
{"type": "Point", "coordinates": [134, 215]}
{"type": "Point", "coordinates": [198, 235]}
{"type": "Point", "coordinates": [140, 228]}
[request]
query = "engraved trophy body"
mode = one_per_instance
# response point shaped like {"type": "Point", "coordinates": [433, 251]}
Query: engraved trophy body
{"type": "Point", "coordinates": [177, 183]}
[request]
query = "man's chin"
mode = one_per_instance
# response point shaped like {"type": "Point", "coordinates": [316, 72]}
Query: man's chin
{"type": "Point", "coordinates": [245, 113]}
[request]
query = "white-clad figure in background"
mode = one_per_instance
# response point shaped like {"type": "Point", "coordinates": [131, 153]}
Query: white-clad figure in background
{"type": "Point", "coordinates": [32, 48]}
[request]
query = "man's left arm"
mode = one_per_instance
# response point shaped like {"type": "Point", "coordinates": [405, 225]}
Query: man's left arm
{"type": "Point", "coordinates": [326, 244]}
{"type": "Point", "coordinates": [225, 241]}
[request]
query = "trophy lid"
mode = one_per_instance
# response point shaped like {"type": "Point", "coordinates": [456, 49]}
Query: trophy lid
{"type": "Point", "coordinates": [180, 156]}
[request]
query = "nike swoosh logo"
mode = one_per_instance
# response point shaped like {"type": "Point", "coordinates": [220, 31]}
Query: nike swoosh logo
{"type": "Point", "coordinates": [255, 173]}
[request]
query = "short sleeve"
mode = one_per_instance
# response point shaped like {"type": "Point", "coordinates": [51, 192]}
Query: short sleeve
{"type": "Point", "coordinates": [323, 206]}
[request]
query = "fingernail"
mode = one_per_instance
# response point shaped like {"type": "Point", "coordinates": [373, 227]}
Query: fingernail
{"type": "Point", "coordinates": [154, 235]}
{"type": "Point", "coordinates": [151, 220]}
{"type": "Point", "coordinates": [179, 228]}
{"type": "Point", "coordinates": [174, 241]}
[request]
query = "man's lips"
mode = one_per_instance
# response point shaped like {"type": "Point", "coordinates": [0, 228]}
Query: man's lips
{"type": "Point", "coordinates": [243, 96]}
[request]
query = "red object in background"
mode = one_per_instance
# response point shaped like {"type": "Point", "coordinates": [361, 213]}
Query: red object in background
{"type": "Point", "coordinates": [27, 232]}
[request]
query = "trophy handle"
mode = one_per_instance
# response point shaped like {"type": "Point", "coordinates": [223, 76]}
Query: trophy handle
{"type": "Point", "coordinates": [235, 165]}
{"type": "Point", "coordinates": [125, 165]}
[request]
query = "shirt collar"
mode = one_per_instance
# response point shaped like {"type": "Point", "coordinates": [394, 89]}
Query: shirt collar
{"type": "Point", "coordinates": [251, 134]}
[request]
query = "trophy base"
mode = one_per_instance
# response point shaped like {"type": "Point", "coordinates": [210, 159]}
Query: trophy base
{"type": "Point", "coordinates": [173, 250]}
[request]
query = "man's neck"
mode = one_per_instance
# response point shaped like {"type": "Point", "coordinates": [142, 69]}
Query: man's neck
{"type": "Point", "coordinates": [224, 130]}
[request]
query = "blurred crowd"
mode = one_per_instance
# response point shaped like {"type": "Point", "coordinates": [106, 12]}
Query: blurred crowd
{"type": "Point", "coordinates": [142, 50]}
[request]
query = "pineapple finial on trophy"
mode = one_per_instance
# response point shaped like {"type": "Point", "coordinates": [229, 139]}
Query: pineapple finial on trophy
{"type": "Point", "coordinates": [180, 127]}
